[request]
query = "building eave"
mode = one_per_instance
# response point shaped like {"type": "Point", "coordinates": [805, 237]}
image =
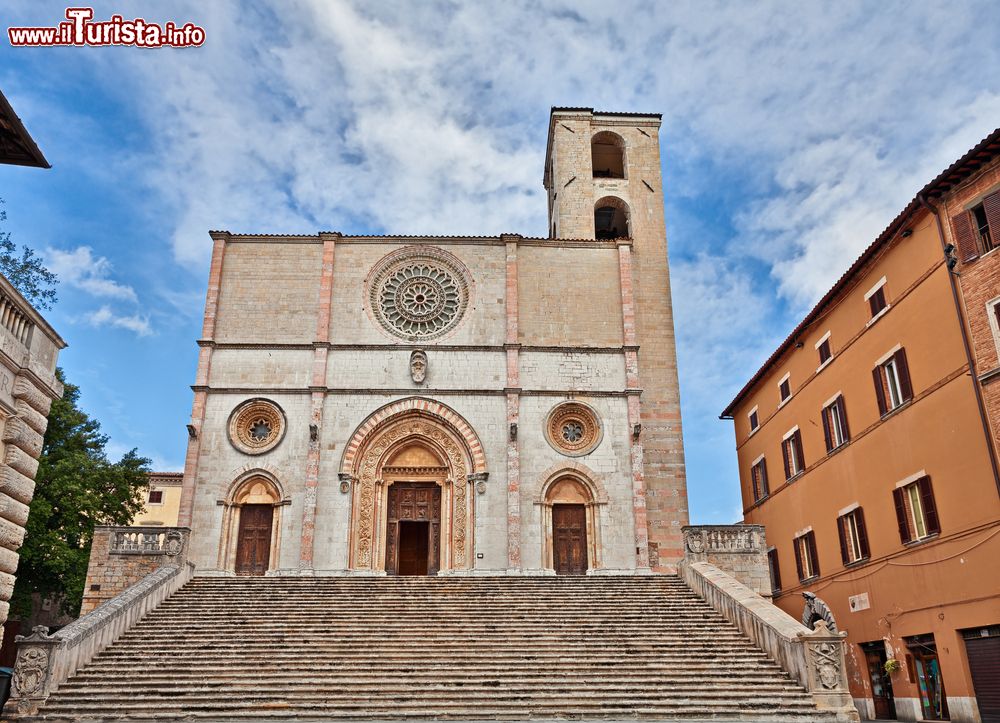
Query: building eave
{"type": "Point", "coordinates": [17, 147]}
{"type": "Point", "coordinates": [983, 152]}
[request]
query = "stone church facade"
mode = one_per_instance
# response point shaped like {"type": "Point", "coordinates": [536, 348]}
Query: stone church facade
{"type": "Point", "coordinates": [449, 405]}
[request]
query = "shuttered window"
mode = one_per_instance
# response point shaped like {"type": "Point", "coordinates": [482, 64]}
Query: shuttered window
{"type": "Point", "coordinates": [785, 389]}
{"type": "Point", "coordinates": [791, 451]}
{"type": "Point", "coordinates": [772, 566]}
{"type": "Point", "coordinates": [806, 558]}
{"type": "Point", "coordinates": [835, 430]}
{"type": "Point", "coordinates": [758, 480]}
{"type": "Point", "coordinates": [977, 231]}
{"type": "Point", "coordinates": [876, 301]}
{"type": "Point", "coordinates": [853, 537]}
{"type": "Point", "coordinates": [892, 383]}
{"type": "Point", "coordinates": [916, 511]}
{"type": "Point", "coordinates": [754, 420]}
{"type": "Point", "coordinates": [824, 351]}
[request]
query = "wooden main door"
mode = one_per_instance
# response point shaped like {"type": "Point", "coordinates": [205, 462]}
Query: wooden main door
{"type": "Point", "coordinates": [413, 529]}
{"type": "Point", "coordinates": [569, 539]}
{"type": "Point", "coordinates": [253, 548]}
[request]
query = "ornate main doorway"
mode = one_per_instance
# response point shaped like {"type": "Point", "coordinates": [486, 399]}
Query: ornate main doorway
{"type": "Point", "coordinates": [411, 468]}
{"type": "Point", "coordinates": [413, 529]}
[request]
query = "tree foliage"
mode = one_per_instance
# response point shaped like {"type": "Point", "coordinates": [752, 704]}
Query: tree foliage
{"type": "Point", "coordinates": [25, 271]}
{"type": "Point", "coordinates": [77, 488]}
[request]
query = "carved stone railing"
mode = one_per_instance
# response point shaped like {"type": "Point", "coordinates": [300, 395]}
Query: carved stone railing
{"type": "Point", "coordinates": [46, 661]}
{"type": "Point", "coordinates": [814, 658]}
{"type": "Point", "coordinates": [740, 550]}
{"type": "Point", "coordinates": [136, 568]}
{"type": "Point", "coordinates": [152, 540]}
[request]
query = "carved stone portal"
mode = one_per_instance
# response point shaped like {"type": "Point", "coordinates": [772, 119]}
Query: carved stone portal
{"type": "Point", "coordinates": [377, 450]}
{"type": "Point", "coordinates": [418, 366]}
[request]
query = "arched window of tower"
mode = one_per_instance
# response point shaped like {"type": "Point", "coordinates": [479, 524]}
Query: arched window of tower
{"type": "Point", "coordinates": [607, 151]}
{"type": "Point", "coordinates": [611, 218]}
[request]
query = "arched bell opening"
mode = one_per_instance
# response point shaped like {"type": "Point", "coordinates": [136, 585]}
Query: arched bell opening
{"type": "Point", "coordinates": [611, 219]}
{"type": "Point", "coordinates": [607, 153]}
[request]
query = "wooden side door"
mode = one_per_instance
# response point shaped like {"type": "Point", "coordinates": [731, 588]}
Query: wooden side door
{"type": "Point", "coordinates": [253, 548]}
{"type": "Point", "coordinates": [569, 539]}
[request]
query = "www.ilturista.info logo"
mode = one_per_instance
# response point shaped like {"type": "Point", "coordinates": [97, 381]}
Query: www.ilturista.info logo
{"type": "Point", "coordinates": [81, 30]}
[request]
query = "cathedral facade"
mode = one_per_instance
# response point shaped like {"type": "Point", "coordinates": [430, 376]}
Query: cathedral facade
{"type": "Point", "coordinates": [449, 405]}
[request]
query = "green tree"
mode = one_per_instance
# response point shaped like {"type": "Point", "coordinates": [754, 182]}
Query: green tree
{"type": "Point", "coordinates": [26, 271]}
{"type": "Point", "coordinates": [77, 488]}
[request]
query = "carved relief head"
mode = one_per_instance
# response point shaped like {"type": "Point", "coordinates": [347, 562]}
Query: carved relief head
{"type": "Point", "coordinates": [418, 366]}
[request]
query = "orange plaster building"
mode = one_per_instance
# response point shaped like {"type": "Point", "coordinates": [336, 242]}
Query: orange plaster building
{"type": "Point", "coordinates": [868, 447]}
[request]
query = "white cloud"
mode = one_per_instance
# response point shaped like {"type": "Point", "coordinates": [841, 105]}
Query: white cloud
{"type": "Point", "coordinates": [105, 317]}
{"type": "Point", "coordinates": [82, 270]}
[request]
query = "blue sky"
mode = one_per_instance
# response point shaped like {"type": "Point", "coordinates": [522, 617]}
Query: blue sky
{"type": "Point", "coordinates": [792, 134]}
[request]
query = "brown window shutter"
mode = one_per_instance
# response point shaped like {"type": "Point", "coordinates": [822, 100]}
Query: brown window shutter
{"type": "Point", "coordinates": [755, 483]}
{"type": "Point", "coordinates": [797, 441]}
{"type": "Point", "coordinates": [784, 456]}
{"type": "Point", "coordinates": [991, 206]}
{"type": "Point", "coordinates": [827, 433]}
{"type": "Point", "coordinates": [904, 527]}
{"type": "Point", "coordinates": [965, 236]}
{"type": "Point", "coordinates": [905, 387]}
{"type": "Point", "coordinates": [842, 411]}
{"type": "Point", "coordinates": [813, 553]}
{"type": "Point", "coordinates": [765, 488]}
{"type": "Point", "coordinates": [859, 519]}
{"type": "Point", "coordinates": [930, 509]}
{"type": "Point", "coordinates": [772, 558]}
{"type": "Point", "coordinates": [798, 558]}
{"type": "Point", "coordinates": [842, 530]}
{"type": "Point", "coordinates": [879, 392]}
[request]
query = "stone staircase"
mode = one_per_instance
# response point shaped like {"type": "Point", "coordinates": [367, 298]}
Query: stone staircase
{"type": "Point", "coordinates": [328, 648]}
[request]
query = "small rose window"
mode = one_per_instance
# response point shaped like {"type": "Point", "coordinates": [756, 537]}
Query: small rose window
{"type": "Point", "coordinates": [256, 426]}
{"type": "Point", "coordinates": [573, 429]}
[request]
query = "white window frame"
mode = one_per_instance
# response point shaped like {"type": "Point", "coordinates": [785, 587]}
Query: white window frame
{"type": "Point", "coordinates": [836, 432]}
{"type": "Point", "coordinates": [991, 315]}
{"type": "Point", "coordinates": [889, 370]}
{"type": "Point", "coordinates": [917, 517]}
{"type": "Point", "coordinates": [753, 466]}
{"type": "Point", "coordinates": [781, 381]}
{"type": "Point", "coordinates": [804, 557]}
{"type": "Point", "coordinates": [149, 502]}
{"type": "Point", "coordinates": [750, 417]}
{"type": "Point", "coordinates": [853, 537]}
{"type": "Point", "coordinates": [793, 452]}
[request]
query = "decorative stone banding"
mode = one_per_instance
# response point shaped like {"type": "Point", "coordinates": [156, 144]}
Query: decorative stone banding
{"type": "Point", "coordinates": [418, 293]}
{"type": "Point", "coordinates": [256, 426]}
{"type": "Point", "coordinates": [573, 429]}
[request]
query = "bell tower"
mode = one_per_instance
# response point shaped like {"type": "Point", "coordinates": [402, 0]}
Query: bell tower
{"type": "Point", "coordinates": [603, 181]}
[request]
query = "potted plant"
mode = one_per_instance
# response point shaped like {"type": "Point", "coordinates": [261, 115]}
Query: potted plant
{"type": "Point", "coordinates": [892, 665]}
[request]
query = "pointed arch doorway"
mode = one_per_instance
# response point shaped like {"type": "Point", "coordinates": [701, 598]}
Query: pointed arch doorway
{"type": "Point", "coordinates": [411, 466]}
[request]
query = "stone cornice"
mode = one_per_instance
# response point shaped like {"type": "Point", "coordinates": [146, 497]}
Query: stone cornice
{"type": "Point", "coordinates": [497, 348]}
{"type": "Point", "coordinates": [409, 391]}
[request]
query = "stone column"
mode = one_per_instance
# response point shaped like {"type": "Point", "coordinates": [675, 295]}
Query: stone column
{"type": "Point", "coordinates": [317, 389]}
{"type": "Point", "coordinates": [512, 348]}
{"type": "Point", "coordinates": [206, 344]}
{"type": "Point", "coordinates": [633, 392]}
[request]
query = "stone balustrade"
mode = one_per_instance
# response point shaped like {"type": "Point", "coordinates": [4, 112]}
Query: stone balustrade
{"type": "Point", "coordinates": [740, 550]}
{"type": "Point", "coordinates": [45, 661]}
{"type": "Point", "coordinates": [814, 658]}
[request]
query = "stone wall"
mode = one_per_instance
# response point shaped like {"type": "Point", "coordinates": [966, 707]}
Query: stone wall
{"type": "Point", "coordinates": [29, 348]}
{"type": "Point", "coordinates": [122, 556]}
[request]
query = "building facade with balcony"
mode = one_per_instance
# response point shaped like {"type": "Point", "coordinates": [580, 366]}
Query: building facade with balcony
{"type": "Point", "coordinates": [867, 447]}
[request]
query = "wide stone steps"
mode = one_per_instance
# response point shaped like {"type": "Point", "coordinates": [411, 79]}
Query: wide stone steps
{"type": "Point", "coordinates": [311, 649]}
